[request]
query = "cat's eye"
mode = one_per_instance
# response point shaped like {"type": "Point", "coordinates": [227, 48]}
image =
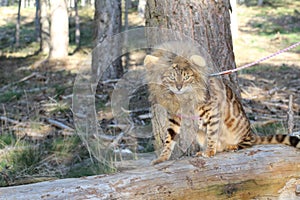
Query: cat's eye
{"type": "Point", "coordinates": [186, 78]}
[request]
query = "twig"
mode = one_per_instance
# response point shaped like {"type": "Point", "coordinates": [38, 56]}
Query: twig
{"type": "Point", "coordinates": [106, 137]}
{"type": "Point", "coordinates": [32, 90]}
{"type": "Point", "coordinates": [278, 105]}
{"type": "Point", "coordinates": [290, 115]}
{"type": "Point", "coordinates": [264, 123]}
{"type": "Point", "coordinates": [145, 116]}
{"type": "Point", "coordinates": [20, 81]}
{"type": "Point", "coordinates": [67, 96]}
{"type": "Point", "coordinates": [117, 140]}
{"type": "Point", "coordinates": [6, 119]}
{"type": "Point", "coordinates": [59, 124]}
{"type": "Point", "coordinates": [110, 81]}
{"type": "Point", "coordinates": [121, 126]}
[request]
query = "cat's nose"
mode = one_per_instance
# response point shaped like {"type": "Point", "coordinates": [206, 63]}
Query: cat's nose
{"type": "Point", "coordinates": [178, 86]}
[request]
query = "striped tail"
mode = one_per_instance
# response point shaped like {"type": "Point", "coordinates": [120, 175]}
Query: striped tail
{"type": "Point", "coordinates": [254, 139]}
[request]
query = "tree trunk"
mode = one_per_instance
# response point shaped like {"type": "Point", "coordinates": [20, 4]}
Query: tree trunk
{"type": "Point", "coordinates": [4, 3]}
{"type": "Point", "coordinates": [45, 27]}
{"type": "Point", "coordinates": [82, 3]}
{"type": "Point", "coordinates": [108, 22]}
{"type": "Point", "coordinates": [59, 30]}
{"type": "Point", "coordinates": [261, 172]}
{"type": "Point", "coordinates": [37, 21]}
{"type": "Point", "coordinates": [17, 33]}
{"type": "Point", "coordinates": [141, 8]}
{"type": "Point", "coordinates": [77, 25]}
{"type": "Point", "coordinates": [208, 23]}
{"type": "Point", "coordinates": [260, 2]}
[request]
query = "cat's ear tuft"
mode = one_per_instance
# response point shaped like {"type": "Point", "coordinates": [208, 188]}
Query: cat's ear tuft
{"type": "Point", "coordinates": [149, 59]}
{"type": "Point", "coordinates": [198, 60]}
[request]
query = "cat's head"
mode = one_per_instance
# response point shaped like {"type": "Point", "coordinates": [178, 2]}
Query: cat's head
{"type": "Point", "coordinates": [179, 75]}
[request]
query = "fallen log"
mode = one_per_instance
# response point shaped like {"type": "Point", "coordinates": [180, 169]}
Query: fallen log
{"type": "Point", "coordinates": [261, 172]}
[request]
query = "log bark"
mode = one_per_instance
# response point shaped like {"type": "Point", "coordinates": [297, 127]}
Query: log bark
{"type": "Point", "coordinates": [261, 172]}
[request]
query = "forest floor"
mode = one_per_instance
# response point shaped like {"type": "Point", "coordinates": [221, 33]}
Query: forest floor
{"type": "Point", "coordinates": [36, 95]}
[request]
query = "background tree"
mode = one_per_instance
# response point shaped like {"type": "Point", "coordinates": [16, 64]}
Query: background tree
{"type": "Point", "coordinates": [17, 33]}
{"type": "Point", "coordinates": [37, 21]}
{"type": "Point", "coordinates": [59, 31]}
{"type": "Point", "coordinates": [45, 27]}
{"type": "Point", "coordinates": [4, 2]}
{"type": "Point", "coordinates": [108, 22]}
{"type": "Point", "coordinates": [208, 23]}
{"type": "Point", "coordinates": [77, 25]}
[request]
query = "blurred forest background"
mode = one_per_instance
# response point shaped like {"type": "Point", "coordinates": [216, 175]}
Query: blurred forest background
{"type": "Point", "coordinates": [43, 44]}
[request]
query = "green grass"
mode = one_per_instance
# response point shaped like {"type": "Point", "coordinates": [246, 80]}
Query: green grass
{"type": "Point", "coordinates": [273, 4]}
{"type": "Point", "coordinates": [22, 159]}
{"type": "Point", "coordinates": [275, 18]}
{"type": "Point", "coordinates": [27, 158]}
{"type": "Point", "coordinates": [271, 129]}
{"type": "Point", "coordinates": [62, 146]}
{"type": "Point", "coordinates": [264, 68]}
{"type": "Point", "coordinates": [255, 69]}
{"type": "Point", "coordinates": [9, 96]}
{"type": "Point", "coordinates": [90, 168]}
{"type": "Point", "coordinates": [7, 140]}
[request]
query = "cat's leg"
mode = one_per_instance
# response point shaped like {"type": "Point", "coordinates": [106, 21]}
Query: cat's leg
{"type": "Point", "coordinates": [210, 115]}
{"type": "Point", "coordinates": [172, 133]}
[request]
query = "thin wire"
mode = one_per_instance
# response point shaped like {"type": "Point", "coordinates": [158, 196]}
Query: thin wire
{"type": "Point", "coordinates": [256, 62]}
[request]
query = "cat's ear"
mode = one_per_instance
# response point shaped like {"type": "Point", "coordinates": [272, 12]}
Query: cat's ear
{"type": "Point", "coordinates": [198, 60]}
{"type": "Point", "coordinates": [150, 60]}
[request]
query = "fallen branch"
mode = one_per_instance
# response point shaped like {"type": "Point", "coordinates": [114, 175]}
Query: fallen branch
{"type": "Point", "coordinates": [6, 119]}
{"type": "Point", "coordinates": [261, 172]}
{"type": "Point", "coordinates": [110, 81]}
{"type": "Point", "coordinates": [277, 105]}
{"type": "Point", "coordinates": [59, 124]}
{"type": "Point", "coordinates": [20, 81]}
{"type": "Point", "coordinates": [264, 123]}
{"type": "Point", "coordinates": [31, 90]}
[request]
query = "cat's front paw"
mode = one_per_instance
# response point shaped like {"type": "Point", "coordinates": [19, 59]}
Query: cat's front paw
{"type": "Point", "coordinates": [208, 153]}
{"type": "Point", "coordinates": [158, 160]}
{"type": "Point", "coordinates": [232, 147]}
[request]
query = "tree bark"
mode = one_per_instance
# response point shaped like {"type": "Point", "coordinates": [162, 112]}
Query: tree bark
{"type": "Point", "coordinates": [261, 172]}
{"type": "Point", "coordinates": [59, 30]}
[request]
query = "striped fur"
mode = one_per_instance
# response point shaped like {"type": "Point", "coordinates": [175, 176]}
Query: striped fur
{"type": "Point", "coordinates": [224, 125]}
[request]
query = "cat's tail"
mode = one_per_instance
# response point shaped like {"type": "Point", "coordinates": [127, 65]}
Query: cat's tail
{"type": "Point", "coordinates": [253, 139]}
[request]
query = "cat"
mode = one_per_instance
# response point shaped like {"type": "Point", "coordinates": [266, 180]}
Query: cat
{"type": "Point", "coordinates": [178, 75]}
